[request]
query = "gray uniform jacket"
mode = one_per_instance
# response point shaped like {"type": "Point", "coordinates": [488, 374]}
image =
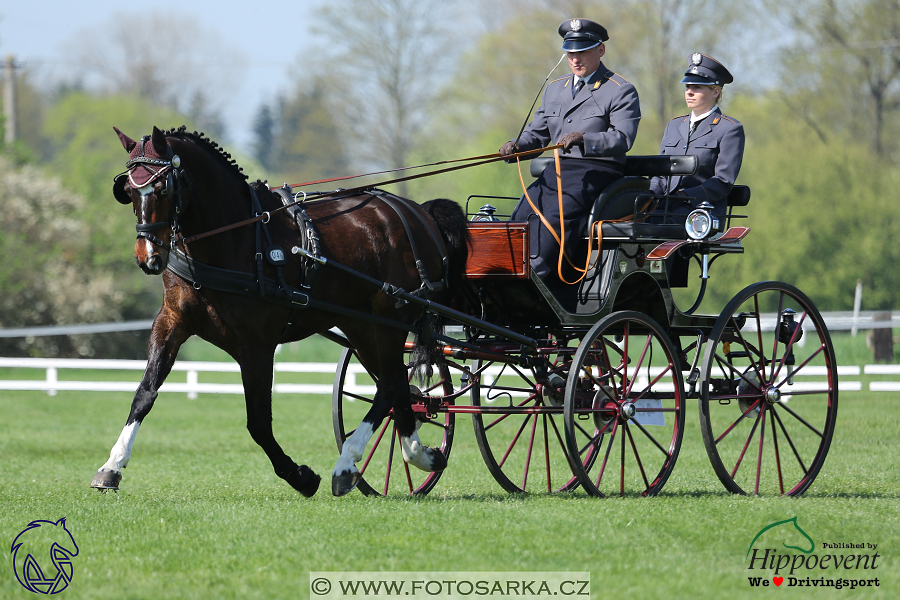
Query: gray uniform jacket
{"type": "Point", "coordinates": [606, 109]}
{"type": "Point", "coordinates": [718, 143]}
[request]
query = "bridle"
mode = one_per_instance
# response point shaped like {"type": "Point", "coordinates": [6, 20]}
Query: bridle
{"type": "Point", "coordinates": [174, 175]}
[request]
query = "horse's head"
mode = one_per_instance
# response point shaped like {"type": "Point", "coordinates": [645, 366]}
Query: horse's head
{"type": "Point", "coordinates": [152, 184]}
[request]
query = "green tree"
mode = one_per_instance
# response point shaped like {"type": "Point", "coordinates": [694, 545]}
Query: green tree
{"type": "Point", "coordinates": [384, 73]}
{"type": "Point", "coordinates": [44, 277]}
{"type": "Point", "coordinates": [844, 68]}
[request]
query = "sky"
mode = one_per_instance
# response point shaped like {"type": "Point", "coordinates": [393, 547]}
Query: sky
{"type": "Point", "coordinates": [269, 34]}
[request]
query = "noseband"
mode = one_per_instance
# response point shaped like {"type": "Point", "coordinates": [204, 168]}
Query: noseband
{"type": "Point", "coordinates": [174, 176]}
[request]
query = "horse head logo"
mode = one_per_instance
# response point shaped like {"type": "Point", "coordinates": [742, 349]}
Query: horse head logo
{"type": "Point", "coordinates": [42, 556]}
{"type": "Point", "coordinates": [788, 532]}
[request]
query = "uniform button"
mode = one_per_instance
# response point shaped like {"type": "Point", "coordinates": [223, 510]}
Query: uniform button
{"type": "Point", "coordinates": [568, 120]}
{"type": "Point", "coordinates": [684, 147]}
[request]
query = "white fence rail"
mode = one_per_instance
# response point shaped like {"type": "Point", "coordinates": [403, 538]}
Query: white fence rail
{"type": "Point", "coordinates": [849, 377]}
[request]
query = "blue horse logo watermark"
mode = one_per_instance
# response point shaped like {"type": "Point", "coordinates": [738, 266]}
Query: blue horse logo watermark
{"type": "Point", "coordinates": [42, 556]}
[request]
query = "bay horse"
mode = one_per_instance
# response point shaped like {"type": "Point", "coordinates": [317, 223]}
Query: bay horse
{"type": "Point", "coordinates": [241, 289]}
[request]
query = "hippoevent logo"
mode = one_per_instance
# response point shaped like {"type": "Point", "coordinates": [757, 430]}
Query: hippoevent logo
{"type": "Point", "coordinates": [783, 554]}
{"type": "Point", "coordinates": [42, 556]}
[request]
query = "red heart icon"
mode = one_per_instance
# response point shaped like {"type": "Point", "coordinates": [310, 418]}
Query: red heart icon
{"type": "Point", "coordinates": [778, 580]}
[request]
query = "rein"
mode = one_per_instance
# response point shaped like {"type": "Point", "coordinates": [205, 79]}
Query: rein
{"type": "Point", "coordinates": [265, 216]}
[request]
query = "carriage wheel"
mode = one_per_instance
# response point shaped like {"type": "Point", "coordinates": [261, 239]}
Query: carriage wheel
{"type": "Point", "coordinates": [769, 391]}
{"type": "Point", "coordinates": [624, 409]}
{"type": "Point", "coordinates": [382, 467]}
{"type": "Point", "coordinates": [524, 450]}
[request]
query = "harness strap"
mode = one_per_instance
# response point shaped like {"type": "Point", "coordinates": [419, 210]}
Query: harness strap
{"type": "Point", "coordinates": [389, 200]}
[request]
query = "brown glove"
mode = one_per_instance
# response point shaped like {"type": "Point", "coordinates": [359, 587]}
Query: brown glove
{"type": "Point", "coordinates": [575, 138]}
{"type": "Point", "coordinates": [508, 148]}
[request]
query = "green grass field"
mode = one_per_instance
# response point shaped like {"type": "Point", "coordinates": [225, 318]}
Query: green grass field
{"type": "Point", "coordinates": [200, 513]}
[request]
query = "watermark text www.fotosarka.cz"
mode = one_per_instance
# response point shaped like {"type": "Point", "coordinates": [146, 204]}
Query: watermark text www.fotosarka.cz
{"type": "Point", "coordinates": [450, 585]}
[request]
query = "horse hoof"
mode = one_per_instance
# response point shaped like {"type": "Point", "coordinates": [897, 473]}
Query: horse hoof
{"type": "Point", "coordinates": [303, 479]}
{"type": "Point", "coordinates": [344, 483]}
{"type": "Point", "coordinates": [106, 479]}
{"type": "Point", "coordinates": [438, 461]}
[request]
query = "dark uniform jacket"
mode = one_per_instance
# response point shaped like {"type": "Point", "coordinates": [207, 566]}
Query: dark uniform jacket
{"type": "Point", "coordinates": [606, 109]}
{"type": "Point", "coordinates": [718, 143]}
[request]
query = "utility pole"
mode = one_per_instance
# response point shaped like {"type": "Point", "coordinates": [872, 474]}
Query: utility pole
{"type": "Point", "coordinates": [9, 100]}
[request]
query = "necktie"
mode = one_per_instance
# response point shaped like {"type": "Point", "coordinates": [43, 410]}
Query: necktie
{"type": "Point", "coordinates": [577, 87]}
{"type": "Point", "coordinates": [693, 128]}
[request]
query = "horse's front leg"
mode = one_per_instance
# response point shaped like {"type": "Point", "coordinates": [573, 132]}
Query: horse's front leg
{"type": "Point", "coordinates": [256, 374]}
{"type": "Point", "coordinates": [165, 340]}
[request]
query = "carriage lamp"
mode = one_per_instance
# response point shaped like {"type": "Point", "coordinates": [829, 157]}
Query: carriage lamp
{"type": "Point", "coordinates": [785, 331]}
{"type": "Point", "coordinates": [700, 223]}
{"type": "Point", "coordinates": [486, 213]}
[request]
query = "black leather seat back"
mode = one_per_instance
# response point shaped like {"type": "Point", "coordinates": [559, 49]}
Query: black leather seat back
{"type": "Point", "coordinates": [618, 199]}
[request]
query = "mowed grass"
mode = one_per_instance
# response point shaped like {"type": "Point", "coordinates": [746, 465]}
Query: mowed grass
{"type": "Point", "coordinates": [200, 513]}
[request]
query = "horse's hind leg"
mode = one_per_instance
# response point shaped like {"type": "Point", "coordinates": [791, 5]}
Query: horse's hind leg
{"type": "Point", "coordinates": [256, 373]}
{"type": "Point", "coordinates": [393, 390]}
{"type": "Point", "coordinates": [165, 340]}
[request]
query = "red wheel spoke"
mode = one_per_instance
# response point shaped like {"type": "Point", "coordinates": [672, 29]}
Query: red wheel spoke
{"type": "Point", "coordinates": [547, 455]}
{"type": "Point", "coordinates": [502, 417]}
{"type": "Point", "coordinates": [384, 427]}
{"type": "Point", "coordinates": [515, 439]}
{"type": "Point", "coordinates": [530, 451]}
{"type": "Point", "coordinates": [762, 435]}
{"type": "Point", "coordinates": [390, 459]}
{"type": "Point", "coordinates": [650, 437]}
{"type": "Point", "coordinates": [357, 397]}
{"type": "Point", "coordinates": [777, 455]}
{"type": "Point", "coordinates": [637, 456]}
{"type": "Point", "coordinates": [739, 419]}
{"type": "Point", "coordinates": [746, 444]}
{"type": "Point", "coordinates": [801, 419]}
{"type": "Point", "coordinates": [622, 464]}
{"type": "Point", "coordinates": [790, 443]}
{"type": "Point", "coordinates": [593, 439]}
{"type": "Point", "coordinates": [612, 438]}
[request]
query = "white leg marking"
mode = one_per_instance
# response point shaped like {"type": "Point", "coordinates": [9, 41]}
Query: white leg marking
{"type": "Point", "coordinates": [353, 449]}
{"type": "Point", "coordinates": [121, 452]}
{"type": "Point", "coordinates": [414, 452]}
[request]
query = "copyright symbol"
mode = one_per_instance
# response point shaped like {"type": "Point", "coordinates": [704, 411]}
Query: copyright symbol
{"type": "Point", "coordinates": [320, 586]}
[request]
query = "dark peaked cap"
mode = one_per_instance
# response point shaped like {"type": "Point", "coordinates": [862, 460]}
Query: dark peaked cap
{"type": "Point", "coordinates": [705, 70]}
{"type": "Point", "coordinates": [581, 34]}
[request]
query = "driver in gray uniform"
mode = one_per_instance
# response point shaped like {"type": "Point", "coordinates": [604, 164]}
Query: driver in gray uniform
{"type": "Point", "coordinates": [594, 113]}
{"type": "Point", "coordinates": [716, 139]}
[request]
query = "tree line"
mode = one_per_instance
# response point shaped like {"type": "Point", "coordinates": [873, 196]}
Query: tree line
{"type": "Point", "coordinates": [817, 87]}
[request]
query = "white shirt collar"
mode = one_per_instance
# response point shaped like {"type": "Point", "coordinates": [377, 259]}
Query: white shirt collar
{"type": "Point", "coordinates": [586, 79]}
{"type": "Point", "coordinates": [703, 116]}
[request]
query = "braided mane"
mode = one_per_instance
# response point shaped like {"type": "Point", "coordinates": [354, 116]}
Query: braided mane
{"type": "Point", "coordinates": [182, 132]}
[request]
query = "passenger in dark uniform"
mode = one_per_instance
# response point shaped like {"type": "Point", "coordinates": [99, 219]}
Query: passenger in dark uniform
{"type": "Point", "coordinates": [716, 139]}
{"type": "Point", "coordinates": [594, 113]}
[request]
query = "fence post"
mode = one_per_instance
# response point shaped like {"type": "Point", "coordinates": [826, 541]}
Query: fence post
{"type": "Point", "coordinates": [52, 380]}
{"type": "Point", "coordinates": [857, 303]}
{"type": "Point", "coordinates": [882, 339]}
{"type": "Point", "coordinates": [193, 380]}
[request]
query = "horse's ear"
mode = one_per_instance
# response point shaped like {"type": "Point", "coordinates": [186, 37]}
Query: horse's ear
{"type": "Point", "coordinates": [127, 142]}
{"type": "Point", "coordinates": [158, 139]}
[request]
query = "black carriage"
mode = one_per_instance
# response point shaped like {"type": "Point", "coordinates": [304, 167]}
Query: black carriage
{"type": "Point", "coordinates": [590, 387]}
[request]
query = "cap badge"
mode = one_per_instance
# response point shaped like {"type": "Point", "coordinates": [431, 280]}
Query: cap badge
{"type": "Point", "coordinates": [576, 25]}
{"type": "Point", "coordinates": [696, 58]}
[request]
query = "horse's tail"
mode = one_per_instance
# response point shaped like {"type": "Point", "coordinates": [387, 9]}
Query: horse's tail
{"type": "Point", "coordinates": [454, 229]}
{"type": "Point", "coordinates": [451, 222]}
